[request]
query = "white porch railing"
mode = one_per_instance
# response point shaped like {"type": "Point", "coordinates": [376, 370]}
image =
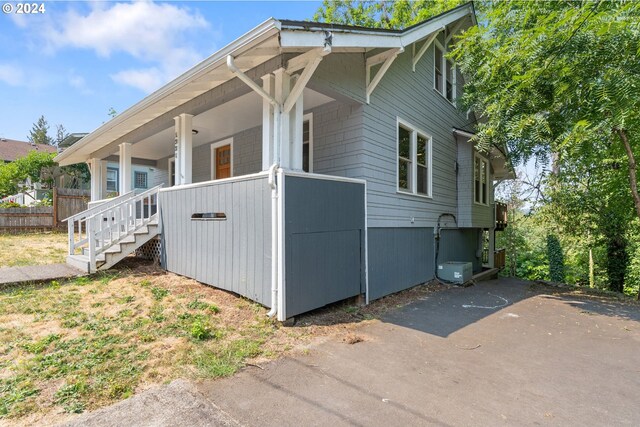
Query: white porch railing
{"type": "Point", "coordinates": [107, 224]}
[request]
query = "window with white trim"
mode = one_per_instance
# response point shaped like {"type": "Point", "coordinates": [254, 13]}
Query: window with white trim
{"type": "Point", "coordinates": [481, 180]}
{"type": "Point", "coordinates": [112, 179]}
{"type": "Point", "coordinates": [140, 179]}
{"type": "Point", "coordinates": [307, 143]}
{"type": "Point", "coordinates": [444, 80]}
{"type": "Point", "coordinates": [414, 160]}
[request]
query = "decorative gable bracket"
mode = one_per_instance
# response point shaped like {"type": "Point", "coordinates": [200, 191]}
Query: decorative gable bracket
{"type": "Point", "coordinates": [385, 58]}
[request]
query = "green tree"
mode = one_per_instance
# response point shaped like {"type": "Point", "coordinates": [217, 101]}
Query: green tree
{"type": "Point", "coordinates": [545, 74]}
{"type": "Point", "coordinates": [382, 14]}
{"type": "Point", "coordinates": [61, 134]}
{"type": "Point", "coordinates": [39, 132]}
{"type": "Point", "coordinates": [14, 174]}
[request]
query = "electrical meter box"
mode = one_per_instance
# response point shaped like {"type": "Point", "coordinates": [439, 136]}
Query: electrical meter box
{"type": "Point", "coordinates": [455, 272]}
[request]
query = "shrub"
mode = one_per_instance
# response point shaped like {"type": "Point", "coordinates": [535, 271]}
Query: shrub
{"type": "Point", "coordinates": [556, 259]}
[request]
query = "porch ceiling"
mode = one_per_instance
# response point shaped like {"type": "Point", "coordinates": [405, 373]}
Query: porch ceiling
{"type": "Point", "coordinates": [223, 121]}
{"type": "Point", "coordinates": [254, 48]}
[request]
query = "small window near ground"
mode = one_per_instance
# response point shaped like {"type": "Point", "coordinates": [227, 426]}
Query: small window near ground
{"type": "Point", "coordinates": [414, 160]}
{"type": "Point", "coordinates": [112, 179]}
{"type": "Point", "coordinates": [481, 180]}
{"type": "Point", "coordinates": [140, 179]}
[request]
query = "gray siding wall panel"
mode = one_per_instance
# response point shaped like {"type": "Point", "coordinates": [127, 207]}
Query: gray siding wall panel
{"type": "Point", "coordinates": [350, 68]}
{"type": "Point", "coordinates": [461, 245]}
{"type": "Point", "coordinates": [247, 155]}
{"type": "Point", "coordinates": [399, 258]}
{"type": "Point", "coordinates": [233, 254]}
{"type": "Point", "coordinates": [411, 97]}
{"type": "Point", "coordinates": [337, 140]}
{"type": "Point", "coordinates": [324, 242]}
{"type": "Point", "coordinates": [471, 214]}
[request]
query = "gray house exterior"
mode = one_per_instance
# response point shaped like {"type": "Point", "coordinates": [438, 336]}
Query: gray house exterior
{"type": "Point", "coordinates": [307, 163]}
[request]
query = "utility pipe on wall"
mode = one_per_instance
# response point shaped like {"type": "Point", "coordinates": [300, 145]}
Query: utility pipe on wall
{"type": "Point", "coordinates": [274, 240]}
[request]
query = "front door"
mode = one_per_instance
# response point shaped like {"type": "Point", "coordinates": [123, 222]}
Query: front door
{"type": "Point", "coordinates": [223, 162]}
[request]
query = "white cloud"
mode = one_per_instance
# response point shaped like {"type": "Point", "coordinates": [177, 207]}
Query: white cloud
{"type": "Point", "coordinates": [11, 75]}
{"type": "Point", "coordinates": [80, 83]}
{"type": "Point", "coordinates": [155, 34]}
{"type": "Point", "coordinates": [147, 80]}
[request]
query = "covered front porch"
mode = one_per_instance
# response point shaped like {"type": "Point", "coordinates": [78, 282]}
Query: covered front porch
{"type": "Point", "coordinates": [250, 191]}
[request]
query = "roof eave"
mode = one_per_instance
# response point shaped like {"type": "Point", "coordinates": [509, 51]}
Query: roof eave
{"type": "Point", "coordinates": [255, 36]}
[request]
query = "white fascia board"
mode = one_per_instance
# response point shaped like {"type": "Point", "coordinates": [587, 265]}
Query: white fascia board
{"type": "Point", "coordinates": [298, 38]}
{"type": "Point", "coordinates": [463, 133]}
{"type": "Point", "coordinates": [74, 154]}
{"type": "Point", "coordinates": [422, 31]}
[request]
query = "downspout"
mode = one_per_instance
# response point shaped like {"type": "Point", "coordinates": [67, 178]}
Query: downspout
{"type": "Point", "coordinates": [274, 240]}
{"type": "Point", "coordinates": [436, 236]}
{"type": "Point", "coordinates": [271, 180]}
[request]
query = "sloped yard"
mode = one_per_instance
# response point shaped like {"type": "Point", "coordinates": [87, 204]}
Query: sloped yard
{"type": "Point", "coordinates": [71, 347]}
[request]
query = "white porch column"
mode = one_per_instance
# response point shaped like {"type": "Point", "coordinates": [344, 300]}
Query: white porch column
{"type": "Point", "coordinates": [125, 167]}
{"type": "Point", "coordinates": [296, 136]}
{"type": "Point", "coordinates": [268, 123]}
{"type": "Point", "coordinates": [283, 85]}
{"type": "Point", "coordinates": [98, 170]}
{"type": "Point", "coordinates": [184, 152]}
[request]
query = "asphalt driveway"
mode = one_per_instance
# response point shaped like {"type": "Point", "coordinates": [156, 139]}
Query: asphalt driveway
{"type": "Point", "coordinates": [498, 353]}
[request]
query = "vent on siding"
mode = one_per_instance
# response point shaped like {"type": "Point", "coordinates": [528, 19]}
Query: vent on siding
{"type": "Point", "coordinates": [209, 216]}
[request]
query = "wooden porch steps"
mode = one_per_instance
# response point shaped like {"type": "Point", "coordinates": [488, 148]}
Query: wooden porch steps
{"type": "Point", "coordinates": [488, 274]}
{"type": "Point", "coordinates": [118, 251]}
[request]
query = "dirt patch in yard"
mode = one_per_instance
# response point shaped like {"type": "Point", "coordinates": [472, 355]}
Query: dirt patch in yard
{"type": "Point", "coordinates": [32, 249]}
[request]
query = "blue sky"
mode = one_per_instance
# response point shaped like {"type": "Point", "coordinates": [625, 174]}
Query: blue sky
{"type": "Point", "coordinates": [78, 59]}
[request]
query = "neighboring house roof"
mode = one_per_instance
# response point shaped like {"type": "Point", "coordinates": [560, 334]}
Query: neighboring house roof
{"type": "Point", "coordinates": [266, 41]}
{"type": "Point", "coordinates": [71, 139]}
{"type": "Point", "coordinates": [10, 149]}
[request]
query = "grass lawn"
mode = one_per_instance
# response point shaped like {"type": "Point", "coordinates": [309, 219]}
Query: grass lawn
{"type": "Point", "coordinates": [32, 249]}
{"type": "Point", "coordinates": [75, 346]}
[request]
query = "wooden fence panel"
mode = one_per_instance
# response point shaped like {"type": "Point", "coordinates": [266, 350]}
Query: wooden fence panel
{"type": "Point", "coordinates": [66, 202]}
{"type": "Point", "coordinates": [26, 219]}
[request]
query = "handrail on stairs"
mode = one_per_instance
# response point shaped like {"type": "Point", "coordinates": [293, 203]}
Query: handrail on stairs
{"type": "Point", "coordinates": [111, 222]}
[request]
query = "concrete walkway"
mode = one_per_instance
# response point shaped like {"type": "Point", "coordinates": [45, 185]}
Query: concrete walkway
{"type": "Point", "coordinates": [37, 273]}
{"type": "Point", "coordinates": [496, 353]}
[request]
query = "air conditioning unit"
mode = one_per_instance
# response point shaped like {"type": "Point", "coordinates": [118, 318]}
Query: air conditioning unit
{"type": "Point", "coordinates": [455, 271]}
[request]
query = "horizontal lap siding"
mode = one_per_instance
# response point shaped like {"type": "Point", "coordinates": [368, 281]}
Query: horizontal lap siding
{"type": "Point", "coordinates": [411, 97]}
{"type": "Point", "coordinates": [247, 155]}
{"type": "Point", "coordinates": [337, 140]}
{"type": "Point", "coordinates": [341, 76]}
{"type": "Point", "coordinates": [471, 214]}
{"type": "Point", "coordinates": [233, 254]}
